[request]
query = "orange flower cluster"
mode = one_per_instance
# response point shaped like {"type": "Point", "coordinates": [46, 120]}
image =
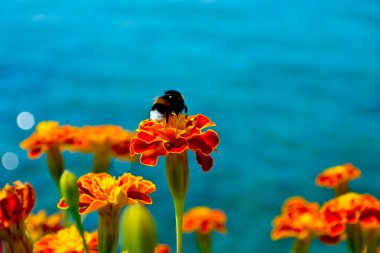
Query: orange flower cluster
{"type": "Point", "coordinates": [38, 225]}
{"type": "Point", "coordinates": [299, 219]}
{"type": "Point", "coordinates": [109, 140]}
{"type": "Point", "coordinates": [335, 176]}
{"type": "Point", "coordinates": [302, 220]}
{"type": "Point", "coordinates": [67, 240]}
{"type": "Point", "coordinates": [16, 202]}
{"type": "Point", "coordinates": [99, 190]}
{"type": "Point", "coordinates": [350, 208]}
{"type": "Point", "coordinates": [180, 133]}
{"type": "Point", "coordinates": [204, 220]}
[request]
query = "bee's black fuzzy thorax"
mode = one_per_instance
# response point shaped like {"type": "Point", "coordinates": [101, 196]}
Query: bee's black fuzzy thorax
{"type": "Point", "coordinates": [171, 102]}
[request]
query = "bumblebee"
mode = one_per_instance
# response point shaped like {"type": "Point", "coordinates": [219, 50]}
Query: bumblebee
{"type": "Point", "coordinates": [171, 102]}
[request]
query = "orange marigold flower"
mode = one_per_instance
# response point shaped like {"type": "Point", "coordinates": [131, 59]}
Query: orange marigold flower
{"type": "Point", "coordinates": [335, 176]}
{"type": "Point", "coordinates": [299, 219]}
{"type": "Point", "coordinates": [162, 248]}
{"type": "Point", "coordinates": [350, 208]}
{"type": "Point", "coordinates": [38, 225]}
{"type": "Point", "coordinates": [156, 139]}
{"type": "Point", "coordinates": [106, 140]}
{"type": "Point", "coordinates": [204, 220]}
{"type": "Point", "coordinates": [67, 240]}
{"type": "Point", "coordinates": [49, 134]}
{"type": "Point", "coordinates": [99, 190]}
{"type": "Point", "coordinates": [16, 202]}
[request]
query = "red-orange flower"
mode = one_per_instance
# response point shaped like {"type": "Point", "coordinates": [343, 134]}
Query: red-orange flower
{"type": "Point", "coordinates": [299, 219]}
{"type": "Point", "coordinates": [38, 225]}
{"type": "Point", "coordinates": [99, 190]}
{"type": "Point", "coordinates": [16, 202]}
{"type": "Point", "coordinates": [49, 134]}
{"type": "Point", "coordinates": [204, 220]}
{"type": "Point", "coordinates": [350, 208]}
{"type": "Point", "coordinates": [180, 133]}
{"type": "Point", "coordinates": [162, 248]}
{"type": "Point", "coordinates": [335, 176]}
{"type": "Point", "coordinates": [67, 240]}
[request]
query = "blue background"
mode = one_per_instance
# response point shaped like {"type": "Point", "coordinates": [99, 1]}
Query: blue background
{"type": "Point", "coordinates": [293, 86]}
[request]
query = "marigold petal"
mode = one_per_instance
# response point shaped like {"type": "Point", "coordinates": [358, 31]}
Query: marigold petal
{"type": "Point", "coordinates": [34, 153]}
{"type": "Point", "coordinates": [149, 157]}
{"type": "Point", "coordinates": [176, 146]}
{"type": "Point", "coordinates": [146, 136]}
{"type": "Point", "coordinates": [140, 196]}
{"type": "Point", "coordinates": [93, 206]}
{"type": "Point", "coordinates": [201, 121]}
{"type": "Point", "coordinates": [205, 161]}
{"type": "Point", "coordinates": [138, 146]}
{"type": "Point", "coordinates": [205, 142]}
{"type": "Point", "coordinates": [205, 227]}
{"type": "Point", "coordinates": [62, 204]}
{"type": "Point", "coordinates": [330, 239]}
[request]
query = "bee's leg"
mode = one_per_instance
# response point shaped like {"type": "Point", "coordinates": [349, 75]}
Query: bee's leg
{"type": "Point", "coordinates": [185, 111]}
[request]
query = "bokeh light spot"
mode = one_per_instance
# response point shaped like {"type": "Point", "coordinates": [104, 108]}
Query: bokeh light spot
{"type": "Point", "coordinates": [9, 161]}
{"type": "Point", "coordinates": [25, 120]}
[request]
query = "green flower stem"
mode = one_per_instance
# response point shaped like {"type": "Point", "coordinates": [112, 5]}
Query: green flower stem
{"type": "Point", "coordinates": [343, 188]}
{"type": "Point", "coordinates": [371, 238]}
{"type": "Point", "coordinates": [55, 163]}
{"type": "Point", "coordinates": [177, 174]}
{"type": "Point", "coordinates": [203, 242]}
{"type": "Point", "coordinates": [178, 207]}
{"type": "Point", "coordinates": [101, 162]}
{"type": "Point", "coordinates": [56, 167]}
{"type": "Point", "coordinates": [301, 245]}
{"type": "Point", "coordinates": [78, 223]}
{"type": "Point", "coordinates": [17, 241]}
{"type": "Point", "coordinates": [108, 229]}
{"type": "Point", "coordinates": [355, 238]}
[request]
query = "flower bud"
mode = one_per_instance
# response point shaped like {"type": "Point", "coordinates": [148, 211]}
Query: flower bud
{"type": "Point", "coordinates": [69, 189]}
{"type": "Point", "coordinates": [138, 230]}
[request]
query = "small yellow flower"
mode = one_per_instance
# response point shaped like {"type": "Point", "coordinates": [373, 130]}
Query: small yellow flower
{"type": "Point", "coordinates": [335, 176]}
{"type": "Point", "coordinates": [48, 135]}
{"type": "Point", "coordinates": [38, 225]}
{"type": "Point", "coordinates": [299, 219]}
{"type": "Point", "coordinates": [66, 240]}
{"type": "Point", "coordinates": [204, 220]}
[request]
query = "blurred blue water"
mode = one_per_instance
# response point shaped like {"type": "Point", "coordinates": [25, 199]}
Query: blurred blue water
{"type": "Point", "coordinates": [294, 87]}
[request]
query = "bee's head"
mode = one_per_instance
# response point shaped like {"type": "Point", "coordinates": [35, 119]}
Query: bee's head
{"type": "Point", "coordinates": [173, 96]}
